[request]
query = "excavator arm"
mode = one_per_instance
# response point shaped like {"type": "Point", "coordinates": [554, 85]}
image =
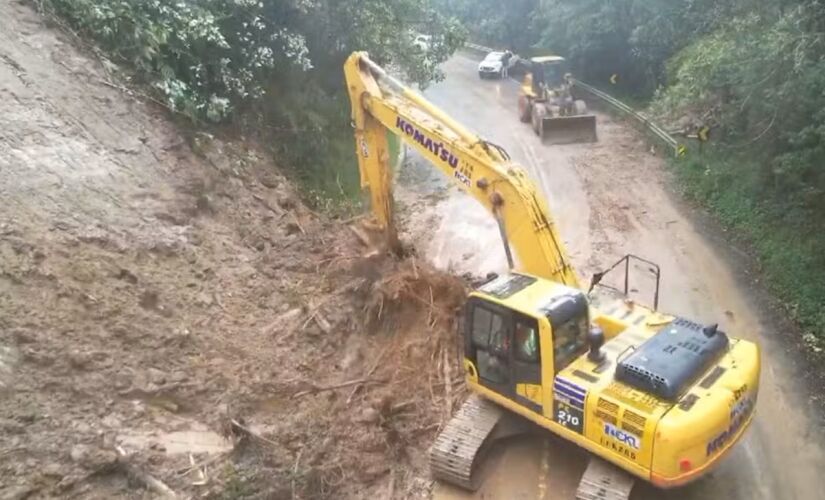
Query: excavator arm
{"type": "Point", "coordinates": [382, 104]}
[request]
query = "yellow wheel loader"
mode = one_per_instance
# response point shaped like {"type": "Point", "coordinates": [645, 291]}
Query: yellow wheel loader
{"type": "Point", "coordinates": [546, 101]}
{"type": "Point", "coordinates": [650, 395]}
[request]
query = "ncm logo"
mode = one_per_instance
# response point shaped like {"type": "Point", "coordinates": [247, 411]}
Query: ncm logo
{"type": "Point", "coordinates": [622, 436]}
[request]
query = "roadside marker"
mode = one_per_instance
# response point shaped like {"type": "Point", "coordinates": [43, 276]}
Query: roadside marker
{"type": "Point", "coordinates": [704, 133]}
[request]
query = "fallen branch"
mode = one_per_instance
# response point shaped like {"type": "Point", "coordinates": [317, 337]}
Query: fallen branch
{"type": "Point", "coordinates": [295, 471]}
{"type": "Point", "coordinates": [202, 465]}
{"type": "Point", "coordinates": [361, 236]}
{"type": "Point", "coordinates": [316, 389]}
{"type": "Point", "coordinates": [281, 320]}
{"type": "Point", "coordinates": [401, 406]}
{"type": "Point", "coordinates": [448, 384]}
{"type": "Point", "coordinates": [371, 371]}
{"type": "Point", "coordinates": [145, 478]}
{"type": "Point", "coordinates": [266, 204]}
{"type": "Point", "coordinates": [352, 219]}
{"type": "Point", "coordinates": [246, 430]}
{"type": "Point", "coordinates": [391, 486]}
{"type": "Point", "coordinates": [319, 320]}
{"type": "Point", "coordinates": [9, 451]}
{"type": "Point", "coordinates": [218, 301]}
{"type": "Point", "coordinates": [430, 321]}
{"type": "Point", "coordinates": [138, 393]}
{"type": "Point", "coordinates": [298, 223]}
{"type": "Point", "coordinates": [323, 323]}
{"type": "Point", "coordinates": [204, 479]}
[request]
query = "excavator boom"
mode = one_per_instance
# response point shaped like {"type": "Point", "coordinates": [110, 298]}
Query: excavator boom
{"type": "Point", "coordinates": [478, 167]}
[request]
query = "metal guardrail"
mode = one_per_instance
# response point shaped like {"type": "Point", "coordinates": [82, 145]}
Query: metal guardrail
{"type": "Point", "coordinates": [480, 48]}
{"type": "Point", "coordinates": [652, 127]}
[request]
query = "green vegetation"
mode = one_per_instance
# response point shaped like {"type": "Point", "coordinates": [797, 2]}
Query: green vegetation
{"type": "Point", "coordinates": [272, 67]}
{"type": "Point", "coordinates": [752, 70]}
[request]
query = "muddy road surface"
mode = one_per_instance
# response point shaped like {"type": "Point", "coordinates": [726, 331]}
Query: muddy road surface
{"type": "Point", "coordinates": [609, 199]}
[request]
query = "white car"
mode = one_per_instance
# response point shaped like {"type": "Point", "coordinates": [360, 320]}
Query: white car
{"type": "Point", "coordinates": [423, 42]}
{"type": "Point", "coordinates": [493, 65]}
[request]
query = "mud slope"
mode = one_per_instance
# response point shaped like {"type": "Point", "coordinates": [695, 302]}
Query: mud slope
{"type": "Point", "coordinates": [610, 199]}
{"type": "Point", "coordinates": [172, 318]}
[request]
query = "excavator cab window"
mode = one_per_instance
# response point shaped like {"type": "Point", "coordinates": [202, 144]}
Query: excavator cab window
{"type": "Point", "coordinates": [569, 319]}
{"type": "Point", "coordinates": [569, 341]}
{"type": "Point", "coordinates": [491, 343]}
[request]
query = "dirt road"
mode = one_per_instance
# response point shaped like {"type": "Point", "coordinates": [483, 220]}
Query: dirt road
{"type": "Point", "coordinates": [610, 199]}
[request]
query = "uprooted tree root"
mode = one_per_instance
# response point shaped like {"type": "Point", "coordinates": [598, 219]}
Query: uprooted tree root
{"type": "Point", "coordinates": [366, 432]}
{"type": "Point", "coordinates": [407, 288]}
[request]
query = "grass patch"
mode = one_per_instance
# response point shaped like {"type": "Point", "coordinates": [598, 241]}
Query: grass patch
{"type": "Point", "coordinates": [332, 183]}
{"type": "Point", "coordinates": [788, 245]}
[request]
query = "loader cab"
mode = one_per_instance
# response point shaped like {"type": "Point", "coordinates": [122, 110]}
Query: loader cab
{"type": "Point", "coordinates": [548, 73]}
{"type": "Point", "coordinates": [519, 331]}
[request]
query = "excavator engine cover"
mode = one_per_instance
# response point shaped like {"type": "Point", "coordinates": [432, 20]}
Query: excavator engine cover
{"type": "Point", "coordinates": [673, 359]}
{"type": "Point", "coordinates": [569, 129]}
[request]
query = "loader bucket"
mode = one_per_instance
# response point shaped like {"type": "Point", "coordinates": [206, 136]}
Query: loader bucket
{"type": "Point", "coordinates": [569, 129]}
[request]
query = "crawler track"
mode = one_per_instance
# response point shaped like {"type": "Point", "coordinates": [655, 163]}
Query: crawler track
{"type": "Point", "coordinates": [604, 481]}
{"type": "Point", "coordinates": [460, 447]}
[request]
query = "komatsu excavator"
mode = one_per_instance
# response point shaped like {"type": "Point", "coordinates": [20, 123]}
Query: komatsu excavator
{"type": "Point", "coordinates": [649, 395]}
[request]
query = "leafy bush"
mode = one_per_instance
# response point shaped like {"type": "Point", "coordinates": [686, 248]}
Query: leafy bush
{"type": "Point", "coordinates": [790, 256]}
{"type": "Point", "coordinates": [204, 57]}
{"type": "Point", "coordinates": [273, 66]}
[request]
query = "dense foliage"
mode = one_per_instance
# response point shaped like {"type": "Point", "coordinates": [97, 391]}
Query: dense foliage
{"type": "Point", "coordinates": [271, 65]}
{"type": "Point", "coordinates": [753, 70]}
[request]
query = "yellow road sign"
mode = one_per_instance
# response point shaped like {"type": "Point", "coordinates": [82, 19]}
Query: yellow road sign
{"type": "Point", "coordinates": [704, 133]}
{"type": "Point", "coordinates": [681, 150]}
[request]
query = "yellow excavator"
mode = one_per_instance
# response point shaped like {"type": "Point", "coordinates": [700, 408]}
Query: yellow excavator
{"type": "Point", "coordinates": [650, 395]}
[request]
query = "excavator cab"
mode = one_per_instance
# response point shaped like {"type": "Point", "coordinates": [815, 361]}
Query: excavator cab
{"type": "Point", "coordinates": [505, 344]}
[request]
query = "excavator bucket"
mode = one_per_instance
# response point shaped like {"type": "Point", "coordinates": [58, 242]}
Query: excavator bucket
{"type": "Point", "coordinates": [569, 129]}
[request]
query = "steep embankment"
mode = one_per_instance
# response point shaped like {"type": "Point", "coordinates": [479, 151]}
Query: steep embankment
{"type": "Point", "coordinates": [173, 318]}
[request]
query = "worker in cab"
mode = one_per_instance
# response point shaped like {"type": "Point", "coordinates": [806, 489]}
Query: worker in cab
{"type": "Point", "coordinates": [526, 342]}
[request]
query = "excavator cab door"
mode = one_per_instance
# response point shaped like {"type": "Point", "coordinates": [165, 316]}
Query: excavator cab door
{"type": "Point", "coordinates": [504, 346]}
